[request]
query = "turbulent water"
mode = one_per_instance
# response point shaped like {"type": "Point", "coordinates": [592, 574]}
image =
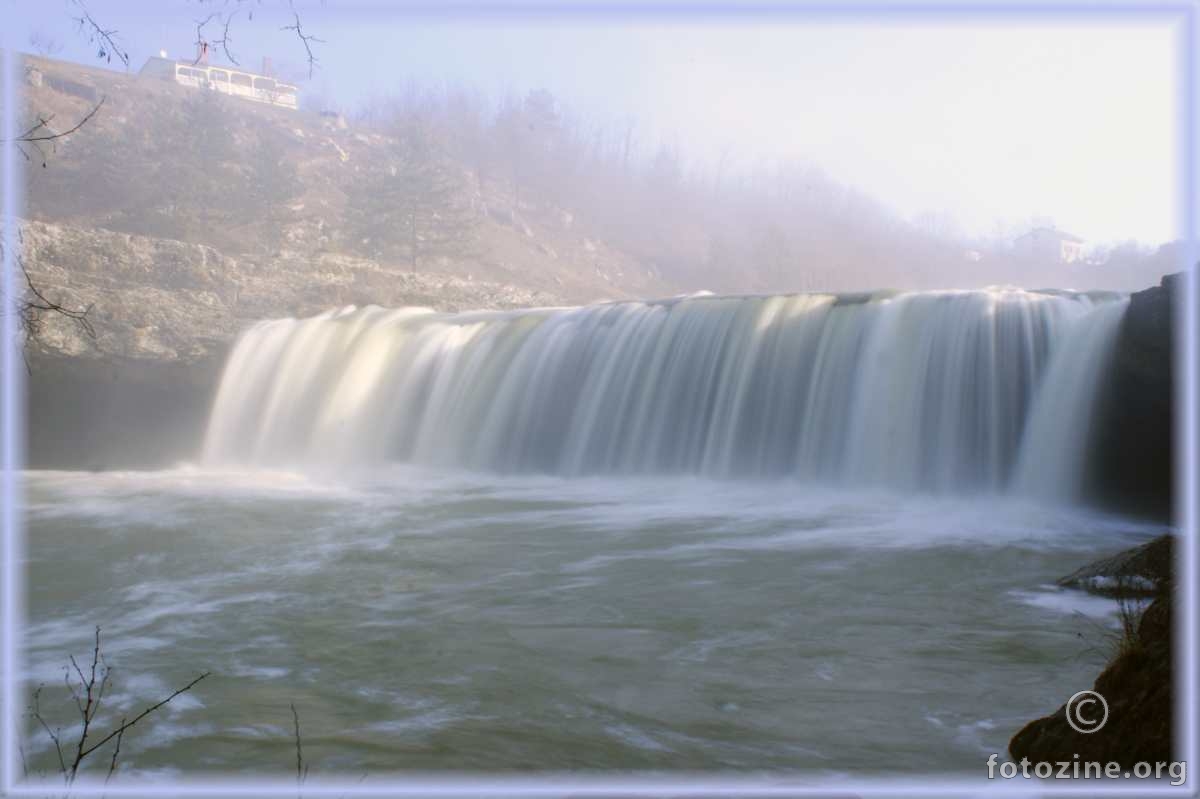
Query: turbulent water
{"type": "Point", "coordinates": [421, 619]}
{"type": "Point", "coordinates": [926, 391]}
{"type": "Point", "coordinates": [511, 541]}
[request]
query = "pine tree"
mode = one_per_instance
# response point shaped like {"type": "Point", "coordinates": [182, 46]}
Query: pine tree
{"type": "Point", "coordinates": [271, 183]}
{"type": "Point", "coordinates": [195, 179]}
{"type": "Point", "coordinates": [415, 207]}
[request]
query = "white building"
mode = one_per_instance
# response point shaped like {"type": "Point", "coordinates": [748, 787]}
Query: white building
{"type": "Point", "coordinates": [1049, 244]}
{"type": "Point", "coordinates": [227, 80]}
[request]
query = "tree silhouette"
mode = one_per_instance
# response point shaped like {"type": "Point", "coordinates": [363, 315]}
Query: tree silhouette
{"type": "Point", "coordinates": [415, 206]}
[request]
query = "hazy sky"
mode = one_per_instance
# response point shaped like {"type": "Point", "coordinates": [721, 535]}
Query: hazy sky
{"type": "Point", "coordinates": [980, 119]}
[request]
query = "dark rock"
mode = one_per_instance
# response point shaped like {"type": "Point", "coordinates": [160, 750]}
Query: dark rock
{"type": "Point", "coordinates": [74, 88]}
{"type": "Point", "coordinates": [117, 413]}
{"type": "Point", "coordinates": [1142, 571]}
{"type": "Point", "coordinates": [1132, 468]}
{"type": "Point", "coordinates": [1137, 686]}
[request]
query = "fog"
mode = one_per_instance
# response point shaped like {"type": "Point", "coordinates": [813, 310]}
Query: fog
{"type": "Point", "coordinates": [720, 153]}
{"type": "Point", "coordinates": [572, 390]}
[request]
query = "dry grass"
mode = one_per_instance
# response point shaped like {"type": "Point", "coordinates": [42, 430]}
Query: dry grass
{"type": "Point", "coordinates": [1126, 640]}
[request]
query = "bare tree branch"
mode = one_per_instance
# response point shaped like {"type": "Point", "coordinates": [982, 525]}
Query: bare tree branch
{"type": "Point", "coordinates": [107, 45]}
{"type": "Point", "coordinates": [306, 40]}
{"type": "Point", "coordinates": [41, 132]}
{"type": "Point", "coordinates": [127, 724]}
{"type": "Point", "coordinates": [88, 695]}
{"type": "Point", "coordinates": [32, 308]}
{"type": "Point", "coordinates": [41, 136]}
{"type": "Point", "coordinates": [35, 304]}
{"type": "Point", "coordinates": [101, 37]}
{"type": "Point", "coordinates": [224, 40]}
{"type": "Point", "coordinates": [112, 765]}
{"type": "Point", "coordinates": [301, 767]}
{"type": "Point", "coordinates": [91, 704]}
{"type": "Point", "coordinates": [35, 710]}
{"type": "Point", "coordinates": [204, 45]}
{"type": "Point", "coordinates": [201, 42]}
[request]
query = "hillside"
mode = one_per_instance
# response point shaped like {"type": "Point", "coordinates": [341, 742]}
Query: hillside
{"type": "Point", "coordinates": [170, 300]}
{"type": "Point", "coordinates": [479, 203]}
{"type": "Point", "coordinates": [182, 215]}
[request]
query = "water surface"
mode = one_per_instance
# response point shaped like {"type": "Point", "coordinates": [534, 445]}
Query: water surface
{"type": "Point", "coordinates": [430, 619]}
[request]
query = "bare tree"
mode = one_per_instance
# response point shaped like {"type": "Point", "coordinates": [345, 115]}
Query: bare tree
{"type": "Point", "coordinates": [41, 137]}
{"type": "Point", "coordinates": [107, 43]}
{"type": "Point", "coordinates": [44, 44]}
{"type": "Point", "coordinates": [33, 305]}
{"type": "Point", "coordinates": [204, 44]}
{"type": "Point", "coordinates": [307, 39]}
{"type": "Point", "coordinates": [418, 206]}
{"type": "Point", "coordinates": [87, 688]}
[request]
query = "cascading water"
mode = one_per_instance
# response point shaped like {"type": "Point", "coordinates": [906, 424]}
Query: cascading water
{"type": "Point", "coordinates": [1056, 440]}
{"type": "Point", "coordinates": [929, 391]}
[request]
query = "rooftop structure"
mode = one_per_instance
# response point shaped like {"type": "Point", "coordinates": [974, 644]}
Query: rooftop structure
{"type": "Point", "coordinates": [227, 80]}
{"type": "Point", "coordinates": [1051, 244]}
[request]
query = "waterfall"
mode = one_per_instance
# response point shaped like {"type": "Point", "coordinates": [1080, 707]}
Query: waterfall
{"type": "Point", "coordinates": [1055, 448]}
{"type": "Point", "coordinates": [924, 391]}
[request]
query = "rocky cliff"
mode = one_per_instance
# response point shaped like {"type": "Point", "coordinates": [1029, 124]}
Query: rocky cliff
{"type": "Point", "coordinates": [1137, 686]}
{"type": "Point", "coordinates": [163, 300]}
{"type": "Point", "coordinates": [179, 217]}
{"type": "Point", "coordinates": [1134, 469]}
{"type": "Point", "coordinates": [279, 191]}
{"type": "Point", "coordinates": [1137, 682]}
{"type": "Point", "coordinates": [164, 313]}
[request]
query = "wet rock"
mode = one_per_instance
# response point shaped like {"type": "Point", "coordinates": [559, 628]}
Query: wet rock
{"type": "Point", "coordinates": [1133, 445]}
{"type": "Point", "coordinates": [1137, 687]}
{"type": "Point", "coordinates": [1136, 684]}
{"type": "Point", "coordinates": [117, 413]}
{"type": "Point", "coordinates": [1142, 571]}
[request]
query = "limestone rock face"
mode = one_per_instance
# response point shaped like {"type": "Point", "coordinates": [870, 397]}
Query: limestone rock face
{"type": "Point", "coordinates": [149, 298]}
{"type": "Point", "coordinates": [165, 314]}
{"type": "Point", "coordinates": [166, 300]}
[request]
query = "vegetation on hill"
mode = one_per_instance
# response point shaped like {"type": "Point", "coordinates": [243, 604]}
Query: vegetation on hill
{"type": "Point", "coordinates": [519, 190]}
{"type": "Point", "coordinates": [171, 163]}
{"type": "Point", "coordinates": [414, 205]}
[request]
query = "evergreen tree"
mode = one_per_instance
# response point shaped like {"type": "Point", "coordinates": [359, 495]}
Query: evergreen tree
{"type": "Point", "coordinates": [510, 132]}
{"type": "Point", "coordinates": [416, 207]}
{"type": "Point", "coordinates": [271, 184]}
{"type": "Point", "coordinates": [195, 179]}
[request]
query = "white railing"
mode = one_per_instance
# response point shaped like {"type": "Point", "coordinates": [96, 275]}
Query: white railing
{"type": "Point", "coordinates": [258, 88]}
